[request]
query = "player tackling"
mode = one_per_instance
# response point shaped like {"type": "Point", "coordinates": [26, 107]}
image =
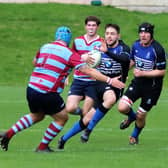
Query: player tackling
{"type": "Point", "coordinates": [53, 63]}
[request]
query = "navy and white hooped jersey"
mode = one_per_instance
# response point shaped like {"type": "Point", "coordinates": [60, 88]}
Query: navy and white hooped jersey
{"type": "Point", "coordinates": [150, 57]}
{"type": "Point", "coordinates": [110, 66]}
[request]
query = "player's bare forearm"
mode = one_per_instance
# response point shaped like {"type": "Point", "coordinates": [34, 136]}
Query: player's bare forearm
{"type": "Point", "coordinates": [99, 76]}
{"type": "Point", "coordinates": [149, 74]}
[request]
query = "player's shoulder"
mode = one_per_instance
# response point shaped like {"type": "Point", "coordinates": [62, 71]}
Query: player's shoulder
{"type": "Point", "coordinates": [45, 45]}
{"type": "Point", "coordinates": [79, 37]}
{"type": "Point", "coordinates": [158, 48]}
{"type": "Point", "coordinates": [73, 52]}
{"type": "Point", "coordinates": [136, 43]}
{"type": "Point", "coordinates": [156, 44]}
{"type": "Point", "coordinates": [124, 45]}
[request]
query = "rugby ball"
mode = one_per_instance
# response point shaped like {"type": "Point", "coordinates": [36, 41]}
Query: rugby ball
{"type": "Point", "coordinates": [96, 55]}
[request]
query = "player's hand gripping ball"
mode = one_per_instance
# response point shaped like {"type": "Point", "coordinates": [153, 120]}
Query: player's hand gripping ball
{"type": "Point", "coordinates": [96, 57]}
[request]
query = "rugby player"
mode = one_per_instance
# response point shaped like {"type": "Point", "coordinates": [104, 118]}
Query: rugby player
{"type": "Point", "coordinates": [149, 61]}
{"type": "Point", "coordinates": [115, 62]}
{"type": "Point", "coordinates": [53, 63]}
{"type": "Point", "coordinates": [82, 87]}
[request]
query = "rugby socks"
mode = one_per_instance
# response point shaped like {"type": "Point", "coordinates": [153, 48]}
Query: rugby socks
{"type": "Point", "coordinates": [51, 132]}
{"type": "Point", "coordinates": [137, 130]}
{"type": "Point", "coordinates": [24, 122]}
{"type": "Point", "coordinates": [77, 127]}
{"type": "Point", "coordinates": [131, 115]}
{"type": "Point", "coordinates": [99, 114]}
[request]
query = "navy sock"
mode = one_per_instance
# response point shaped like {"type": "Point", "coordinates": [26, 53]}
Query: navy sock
{"type": "Point", "coordinates": [78, 111]}
{"type": "Point", "coordinates": [77, 127]}
{"type": "Point", "coordinates": [136, 131]}
{"type": "Point", "coordinates": [131, 115]}
{"type": "Point", "coordinates": [99, 114]}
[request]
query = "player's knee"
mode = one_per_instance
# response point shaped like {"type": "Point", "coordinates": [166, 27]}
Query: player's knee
{"type": "Point", "coordinates": [70, 108]}
{"type": "Point", "coordinates": [141, 116]}
{"type": "Point", "coordinates": [36, 117]}
{"type": "Point", "coordinates": [109, 103]}
{"type": "Point", "coordinates": [123, 108]}
{"type": "Point", "coordinates": [86, 120]}
{"type": "Point", "coordinates": [124, 105]}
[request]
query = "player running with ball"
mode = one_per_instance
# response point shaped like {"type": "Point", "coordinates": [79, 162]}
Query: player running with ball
{"type": "Point", "coordinates": [115, 62]}
{"type": "Point", "coordinates": [53, 63]}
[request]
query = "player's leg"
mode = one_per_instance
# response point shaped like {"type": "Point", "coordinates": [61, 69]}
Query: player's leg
{"type": "Point", "coordinates": [87, 105]}
{"type": "Point", "coordinates": [90, 96]}
{"type": "Point", "coordinates": [72, 104]}
{"type": "Point", "coordinates": [75, 95]}
{"type": "Point", "coordinates": [52, 131]}
{"type": "Point", "coordinates": [88, 91]}
{"type": "Point", "coordinates": [26, 121]}
{"type": "Point", "coordinates": [139, 125]}
{"type": "Point", "coordinates": [75, 129]}
{"type": "Point", "coordinates": [149, 98]}
{"type": "Point", "coordinates": [109, 99]}
{"type": "Point", "coordinates": [23, 123]}
{"type": "Point", "coordinates": [125, 105]}
{"type": "Point", "coordinates": [55, 107]}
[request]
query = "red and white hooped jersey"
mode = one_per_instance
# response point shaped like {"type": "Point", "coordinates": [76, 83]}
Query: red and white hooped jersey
{"type": "Point", "coordinates": [81, 46]}
{"type": "Point", "coordinates": [54, 62]}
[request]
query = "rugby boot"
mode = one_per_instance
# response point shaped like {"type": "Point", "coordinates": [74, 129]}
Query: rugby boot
{"type": "Point", "coordinates": [46, 150]}
{"type": "Point", "coordinates": [125, 124]}
{"type": "Point", "coordinates": [4, 141]}
{"type": "Point", "coordinates": [85, 136]}
{"type": "Point", "coordinates": [61, 144]}
{"type": "Point", "coordinates": [133, 140]}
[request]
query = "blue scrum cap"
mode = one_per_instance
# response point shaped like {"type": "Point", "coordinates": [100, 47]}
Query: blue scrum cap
{"type": "Point", "coordinates": [63, 33]}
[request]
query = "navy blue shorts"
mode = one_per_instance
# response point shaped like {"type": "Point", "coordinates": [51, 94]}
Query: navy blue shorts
{"type": "Point", "coordinates": [148, 93]}
{"type": "Point", "coordinates": [48, 103]}
{"type": "Point", "coordinates": [83, 88]}
{"type": "Point", "coordinates": [101, 88]}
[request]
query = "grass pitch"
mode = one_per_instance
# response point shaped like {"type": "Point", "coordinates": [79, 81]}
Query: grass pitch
{"type": "Point", "coordinates": [108, 146]}
{"type": "Point", "coordinates": [24, 28]}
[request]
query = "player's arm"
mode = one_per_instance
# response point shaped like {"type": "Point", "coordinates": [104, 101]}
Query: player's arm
{"type": "Point", "coordinates": [103, 47]}
{"type": "Point", "coordinates": [149, 74]}
{"type": "Point", "coordinates": [123, 57]}
{"type": "Point", "coordinates": [132, 63]}
{"type": "Point", "coordinates": [75, 61]}
{"type": "Point", "coordinates": [99, 76]}
{"type": "Point", "coordinates": [160, 69]}
{"type": "Point", "coordinates": [66, 83]}
{"type": "Point", "coordinates": [35, 58]}
{"type": "Point", "coordinates": [74, 46]}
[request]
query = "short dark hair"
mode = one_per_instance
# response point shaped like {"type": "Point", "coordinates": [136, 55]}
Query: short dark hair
{"type": "Point", "coordinates": [93, 18]}
{"type": "Point", "coordinates": [115, 26]}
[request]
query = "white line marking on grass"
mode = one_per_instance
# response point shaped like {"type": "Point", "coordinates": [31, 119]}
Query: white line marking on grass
{"type": "Point", "coordinates": [96, 130]}
{"type": "Point", "coordinates": [163, 149]}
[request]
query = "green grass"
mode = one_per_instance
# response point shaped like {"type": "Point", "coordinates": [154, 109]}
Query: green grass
{"type": "Point", "coordinates": [108, 146]}
{"type": "Point", "coordinates": [25, 27]}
